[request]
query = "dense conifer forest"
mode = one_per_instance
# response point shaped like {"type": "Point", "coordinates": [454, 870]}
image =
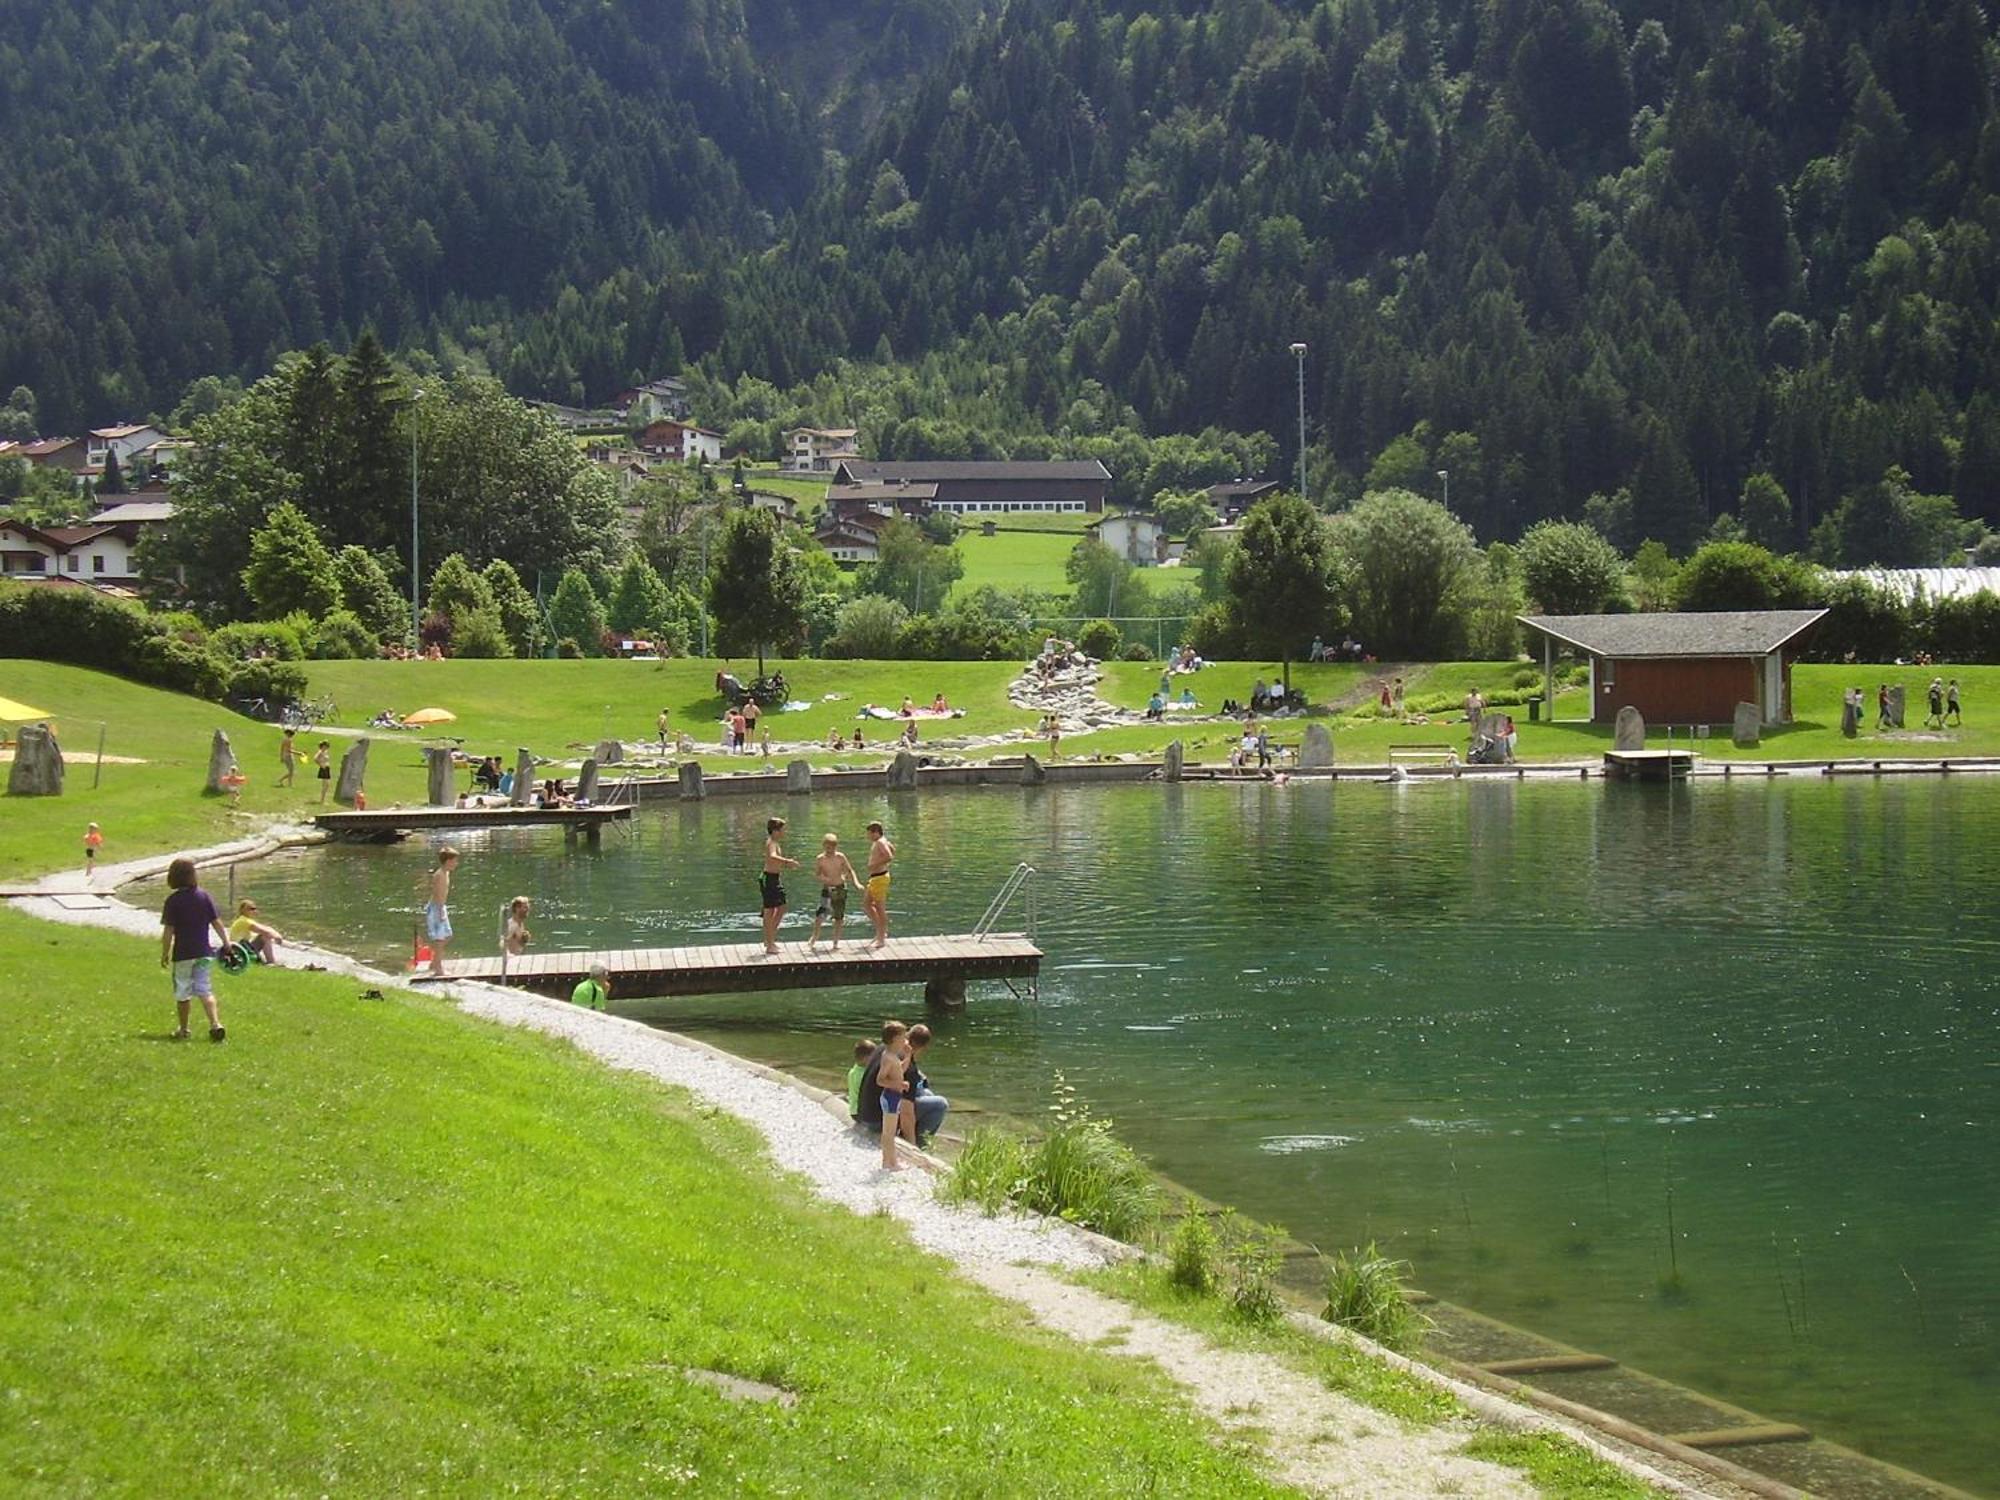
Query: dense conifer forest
{"type": "Point", "coordinates": [1590, 258]}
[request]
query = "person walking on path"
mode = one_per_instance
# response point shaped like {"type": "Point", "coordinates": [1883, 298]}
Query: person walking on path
{"type": "Point", "coordinates": [288, 757]}
{"type": "Point", "coordinates": [437, 910]}
{"type": "Point", "coordinates": [835, 873]}
{"type": "Point", "coordinates": [185, 922]}
{"type": "Point", "coordinates": [1935, 695]}
{"type": "Point", "coordinates": [594, 991]}
{"type": "Point", "coordinates": [1951, 703]}
{"type": "Point", "coordinates": [323, 760]}
{"type": "Point", "coordinates": [775, 865]}
{"type": "Point", "coordinates": [93, 840]}
{"type": "Point", "coordinates": [660, 727]}
{"type": "Point", "coordinates": [1882, 719]}
{"type": "Point", "coordinates": [1475, 706]}
{"type": "Point", "coordinates": [881, 854]}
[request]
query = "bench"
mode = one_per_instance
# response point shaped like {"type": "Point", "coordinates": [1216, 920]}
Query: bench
{"type": "Point", "coordinates": [1447, 753]}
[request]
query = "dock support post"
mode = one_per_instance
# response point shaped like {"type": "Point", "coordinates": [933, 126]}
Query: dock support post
{"type": "Point", "coordinates": [944, 992]}
{"type": "Point", "coordinates": [524, 776]}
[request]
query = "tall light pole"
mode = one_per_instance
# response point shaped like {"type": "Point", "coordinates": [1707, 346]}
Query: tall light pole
{"type": "Point", "coordinates": [416, 573]}
{"type": "Point", "coordinates": [1299, 353]}
{"type": "Point", "coordinates": [1444, 475]}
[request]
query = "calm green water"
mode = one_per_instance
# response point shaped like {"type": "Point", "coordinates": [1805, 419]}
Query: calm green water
{"type": "Point", "coordinates": [1495, 1027]}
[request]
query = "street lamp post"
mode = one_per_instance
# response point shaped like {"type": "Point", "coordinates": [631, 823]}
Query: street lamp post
{"type": "Point", "coordinates": [416, 573]}
{"type": "Point", "coordinates": [1299, 353]}
{"type": "Point", "coordinates": [1444, 476]}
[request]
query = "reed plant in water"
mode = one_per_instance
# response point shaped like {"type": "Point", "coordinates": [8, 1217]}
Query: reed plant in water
{"type": "Point", "coordinates": [1365, 1292]}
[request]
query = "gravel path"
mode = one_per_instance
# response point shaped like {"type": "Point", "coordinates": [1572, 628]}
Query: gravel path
{"type": "Point", "coordinates": [1315, 1439]}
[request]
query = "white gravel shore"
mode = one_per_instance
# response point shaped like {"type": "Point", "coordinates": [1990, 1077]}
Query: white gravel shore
{"type": "Point", "coordinates": [1313, 1438]}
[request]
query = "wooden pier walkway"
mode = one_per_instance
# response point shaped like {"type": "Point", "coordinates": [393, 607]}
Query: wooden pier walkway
{"type": "Point", "coordinates": [942, 964]}
{"type": "Point", "coordinates": [1648, 765]}
{"type": "Point", "coordinates": [399, 822]}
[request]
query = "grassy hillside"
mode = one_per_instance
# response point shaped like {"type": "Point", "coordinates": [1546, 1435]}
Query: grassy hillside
{"type": "Point", "coordinates": [1016, 560]}
{"type": "Point", "coordinates": [372, 1247]}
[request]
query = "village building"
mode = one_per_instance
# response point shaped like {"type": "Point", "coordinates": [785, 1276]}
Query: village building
{"type": "Point", "coordinates": [1236, 496]}
{"type": "Point", "coordinates": [1064, 486]}
{"type": "Point", "coordinates": [1140, 539]}
{"type": "Point", "coordinates": [665, 397]}
{"type": "Point", "coordinates": [1691, 668]}
{"type": "Point", "coordinates": [819, 450]}
{"type": "Point", "coordinates": [910, 501]}
{"type": "Point", "coordinates": [97, 554]}
{"type": "Point", "coordinates": [680, 441]}
{"type": "Point", "coordinates": [67, 453]}
{"type": "Point", "coordinates": [852, 539]}
{"type": "Point", "coordinates": [126, 441]}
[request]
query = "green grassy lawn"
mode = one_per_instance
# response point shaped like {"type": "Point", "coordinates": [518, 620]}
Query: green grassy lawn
{"type": "Point", "coordinates": [1015, 560]}
{"type": "Point", "coordinates": [375, 1247]}
{"type": "Point", "coordinates": [802, 488]}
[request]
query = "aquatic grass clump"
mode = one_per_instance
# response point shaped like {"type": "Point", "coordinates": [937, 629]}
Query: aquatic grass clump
{"type": "Point", "coordinates": [1233, 1258]}
{"type": "Point", "coordinates": [1365, 1292]}
{"type": "Point", "coordinates": [1194, 1252]}
{"type": "Point", "coordinates": [1079, 1172]}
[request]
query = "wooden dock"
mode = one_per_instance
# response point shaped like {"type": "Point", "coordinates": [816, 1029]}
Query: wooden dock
{"type": "Point", "coordinates": [392, 823]}
{"type": "Point", "coordinates": [1648, 765]}
{"type": "Point", "coordinates": [941, 964]}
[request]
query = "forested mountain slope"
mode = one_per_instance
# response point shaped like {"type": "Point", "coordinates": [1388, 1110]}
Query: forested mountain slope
{"type": "Point", "coordinates": [1633, 249]}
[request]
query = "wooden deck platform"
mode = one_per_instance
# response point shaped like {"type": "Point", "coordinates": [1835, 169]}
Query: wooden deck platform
{"type": "Point", "coordinates": [740, 968]}
{"type": "Point", "coordinates": [1648, 765]}
{"type": "Point", "coordinates": [398, 822]}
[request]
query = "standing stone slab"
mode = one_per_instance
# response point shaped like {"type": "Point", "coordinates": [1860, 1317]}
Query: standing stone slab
{"type": "Point", "coordinates": [903, 772]}
{"type": "Point", "coordinates": [1630, 733]}
{"type": "Point", "coordinates": [691, 788]}
{"type": "Point", "coordinates": [1032, 773]}
{"type": "Point", "coordinates": [1850, 713]}
{"type": "Point", "coordinates": [1896, 699]}
{"type": "Point", "coordinates": [441, 791]}
{"type": "Point", "coordinates": [610, 752]}
{"type": "Point", "coordinates": [353, 772]}
{"type": "Point", "coordinates": [221, 761]}
{"type": "Point", "coordinates": [798, 778]}
{"type": "Point", "coordinates": [1749, 725]}
{"type": "Point", "coordinates": [524, 775]}
{"type": "Point", "coordinates": [1316, 754]}
{"type": "Point", "coordinates": [1175, 758]}
{"type": "Point", "coordinates": [586, 781]}
{"type": "Point", "coordinates": [38, 763]}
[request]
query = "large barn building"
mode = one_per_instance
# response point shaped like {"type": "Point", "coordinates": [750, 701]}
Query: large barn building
{"type": "Point", "coordinates": [1061, 486]}
{"type": "Point", "coordinates": [1684, 668]}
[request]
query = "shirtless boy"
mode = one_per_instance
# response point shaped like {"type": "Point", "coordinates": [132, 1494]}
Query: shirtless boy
{"type": "Point", "coordinates": [881, 854]}
{"type": "Point", "coordinates": [889, 1078]}
{"type": "Point", "coordinates": [775, 865]}
{"type": "Point", "coordinates": [835, 874]}
{"type": "Point", "coordinates": [437, 911]}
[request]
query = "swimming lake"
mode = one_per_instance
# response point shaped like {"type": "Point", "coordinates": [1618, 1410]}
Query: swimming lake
{"type": "Point", "coordinates": [1508, 1030]}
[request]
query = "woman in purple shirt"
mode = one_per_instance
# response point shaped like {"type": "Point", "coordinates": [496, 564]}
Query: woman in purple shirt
{"type": "Point", "coordinates": [184, 926]}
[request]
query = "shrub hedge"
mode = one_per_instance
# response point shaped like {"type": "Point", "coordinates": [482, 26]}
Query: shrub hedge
{"type": "Point", "coordinates": [89, 629]}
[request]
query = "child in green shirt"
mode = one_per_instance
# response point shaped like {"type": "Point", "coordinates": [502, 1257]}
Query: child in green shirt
{"type": "Point", "coordinates": [863, 1050]}
{"type": "Point", "coordinates": [595, 991]}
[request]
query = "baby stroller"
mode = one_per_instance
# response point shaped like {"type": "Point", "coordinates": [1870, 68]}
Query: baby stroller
{"type": "Point", "coordinates": [1488, 750]}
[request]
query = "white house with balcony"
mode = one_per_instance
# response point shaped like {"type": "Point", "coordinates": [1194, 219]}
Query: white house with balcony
{"type": "Point", "coordinates": [817, 450]}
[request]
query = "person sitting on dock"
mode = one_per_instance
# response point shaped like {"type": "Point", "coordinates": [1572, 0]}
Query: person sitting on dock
{"type": "Point", "coordinates": [775, 865]}
{"type": "Point", "coordinates": [835, 873]}
{"type": "Point", "coordinates": [514, 934]}
{"type": "Point", "coordinates": [594, 991]}
{"type": "Point", "coordinates": [881, 854]}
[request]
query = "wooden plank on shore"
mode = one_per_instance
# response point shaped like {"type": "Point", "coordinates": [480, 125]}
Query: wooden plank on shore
{"type": "Point", "coordinates": [1750, 1436]}
{"type": "Point", "coordinates": [1549, 1364]}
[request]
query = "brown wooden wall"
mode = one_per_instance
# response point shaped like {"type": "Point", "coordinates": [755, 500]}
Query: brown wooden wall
{"type": "Point", "coordinates": [1692, 690]}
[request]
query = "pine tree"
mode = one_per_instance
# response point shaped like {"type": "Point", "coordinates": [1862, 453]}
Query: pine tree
{"type": "Point", "coordinates": [372, 468]}
{"type": "Point", "coordinates": [113, 480]}
{"type": "Point", "coordinates": [577, 615]}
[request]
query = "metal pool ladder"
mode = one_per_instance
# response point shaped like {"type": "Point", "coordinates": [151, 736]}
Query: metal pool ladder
{"type": "Point", "coordinates": [1019, 882]}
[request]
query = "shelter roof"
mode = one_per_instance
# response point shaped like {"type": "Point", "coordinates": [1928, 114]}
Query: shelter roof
{"type": "Point", "coordinates": [881, 471]}
{"type": "Point", "coordinates": [1732, 632]}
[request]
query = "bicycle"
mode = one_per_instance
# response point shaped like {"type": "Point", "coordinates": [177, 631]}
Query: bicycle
{"type": "Point", "coordinates": [308, 714]}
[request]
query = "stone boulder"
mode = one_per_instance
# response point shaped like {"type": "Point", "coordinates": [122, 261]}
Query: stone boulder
{"type": "Point", "coordinates": [1896, 703]}
{"type": "Point", "coordinates": [38, 763]}
{"type": "Point", "coordinates": [586, 781]}
{"type": "Point", "coordinates": [1749, 725]}
{"type": "Point", "coordinates": [1316, 753]}
{"type": "Point", "coordinates": [1173, 761]}
{"type": "Point", "coordinates": [690, 775]}
{"type": "Point", "coordinates": [353, 772]}
{"type": "Point", "coordinates": [903, 772]}
{"type": "Point", "coordinates": [609, 752]}
{"type": "Point", "coordinates": [441, 788]}
{"type": "Point", "coordinates": [1630, 730]}
{"type": "Point", "coordinates": [221, 761]}
{"type": "Point", "coordinates": [798, 778]}
{"type": "Point", "coordinates": [1032, 773]}
{"type": "Point", "coordinates": [524, 776]}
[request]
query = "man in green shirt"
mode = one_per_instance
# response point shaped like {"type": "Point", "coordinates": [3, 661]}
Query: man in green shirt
{"type": "Point", "coordinates": [595, 991]}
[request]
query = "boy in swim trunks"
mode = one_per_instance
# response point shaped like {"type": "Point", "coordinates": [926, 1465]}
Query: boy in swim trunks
{"type": "Point", "coordinates": [775, 865]}
{"type": "Point", "coordinates": [889, 1079]}
{"type": "Point", "coordinates": [437, 910]}
{"type": "Point", "coordinates": [881, 854]}
{"type": "Point", "coordinates": [835, 874]}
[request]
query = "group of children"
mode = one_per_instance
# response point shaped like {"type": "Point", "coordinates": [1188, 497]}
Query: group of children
{"type": "Point", "coordinates": [322, 759]}
{"type": "Point", "coordinates": [835, 874]}
{"type": "Point", "coordinates": [890, 1070]}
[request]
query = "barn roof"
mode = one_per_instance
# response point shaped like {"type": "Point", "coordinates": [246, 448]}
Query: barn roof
{"type": "Point", "coordinates": [1732, 632]}
{"type": "Point", "coordinates": [921, 471]}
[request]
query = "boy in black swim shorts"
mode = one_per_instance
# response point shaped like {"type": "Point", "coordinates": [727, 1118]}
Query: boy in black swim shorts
{"type": "Point", "coordinates": [775, 865]}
